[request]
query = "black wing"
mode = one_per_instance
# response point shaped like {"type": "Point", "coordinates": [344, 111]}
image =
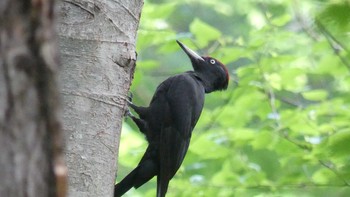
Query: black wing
{"type": "Point", "coordinates": [184, 103]}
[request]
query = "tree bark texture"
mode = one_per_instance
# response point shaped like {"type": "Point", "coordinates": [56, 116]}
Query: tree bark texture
{"type": "Point", "coordinates": [97, 44]}
{"type": "Point", "coordinates": [31, 162]}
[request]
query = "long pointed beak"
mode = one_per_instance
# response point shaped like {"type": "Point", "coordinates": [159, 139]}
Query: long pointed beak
{"type": "Point", "coordinates": [191, 54]}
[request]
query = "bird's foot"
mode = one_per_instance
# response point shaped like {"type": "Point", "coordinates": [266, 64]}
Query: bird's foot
{"type": "Point", "coordinates": [130, 97]}
{"type": "Point", "coordinates": [128, 113]}
{"type": "Point", "coordinates": [129, 100]}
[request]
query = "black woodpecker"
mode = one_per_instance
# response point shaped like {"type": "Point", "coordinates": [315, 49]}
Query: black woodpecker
{"type": "Point", "coordinates": [169, 119]}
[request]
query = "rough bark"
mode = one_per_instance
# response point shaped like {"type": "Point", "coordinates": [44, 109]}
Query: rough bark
{"type": "Point", "coordinates": [97, 44]}
{"type": "Point", "coordinates": [30, 161]}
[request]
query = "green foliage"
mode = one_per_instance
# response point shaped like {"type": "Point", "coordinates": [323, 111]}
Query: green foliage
{"type": "Point", "coordinates": [197, 27]}
{"type": "Point", "coordinates": [282, 127]}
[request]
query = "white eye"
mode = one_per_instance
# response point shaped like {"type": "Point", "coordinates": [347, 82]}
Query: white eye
{"type": "Point", "coordinates": [212, 61]}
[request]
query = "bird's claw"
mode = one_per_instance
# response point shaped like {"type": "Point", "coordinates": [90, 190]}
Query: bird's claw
{"type": "Point", "coordinates": [128, 113]}
{"type": "Point", "coordinates": [130, 97]}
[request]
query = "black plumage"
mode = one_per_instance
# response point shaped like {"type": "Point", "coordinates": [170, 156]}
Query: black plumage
{"type": "Point", "coordinates": [169, 120]}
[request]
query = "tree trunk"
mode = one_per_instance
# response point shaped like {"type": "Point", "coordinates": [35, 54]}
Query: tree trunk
{"type": "Point", "coordinates": [30, 136]}
{"type": "Point", "coordinates": [97, 44]}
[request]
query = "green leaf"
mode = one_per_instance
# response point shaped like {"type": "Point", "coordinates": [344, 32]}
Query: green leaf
{"type": "Point", "coordinates": [207, 148]}
{"type": "Point", "coordinates": [225, 175]}
{"type": "Point", "coordinates": [322, 176]}
{"type": "Point", "coordinates": [274, 80]}
{"type": "Point", "coordinates": [294, 81]}
{"type": "Point", "coordinates": [241, 136]}
{"type": "Point", "coordinates": [232, 54]}
{"type": "Point", "coordinates": [282, 20]}
{"type": "Point", "coordinates": [339, 143]}
{"type": "Point", "coordinates": [263, 140]}
{"type": "Point", "coordinates": [204, 32]}
{"type": "Point", "coordinates": [148, 38]}
{"type": "Point", "coordinates": [158, 10]}
{"type": "Point", "coordinates": [337, 13]}
{"type": "Point", "coordinates": [148, 64]}
{"type": "Point", "coordinates": [330, 64]}
{"type": "Point", "coordinates": [315, 95]}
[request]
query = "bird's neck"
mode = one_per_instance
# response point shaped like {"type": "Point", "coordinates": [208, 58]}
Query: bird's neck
{"type": "Point", "coordinates": [205, 83]}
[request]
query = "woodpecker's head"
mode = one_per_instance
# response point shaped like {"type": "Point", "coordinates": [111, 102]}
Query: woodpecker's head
{"type": "Point", "coordinates": [212, 72]}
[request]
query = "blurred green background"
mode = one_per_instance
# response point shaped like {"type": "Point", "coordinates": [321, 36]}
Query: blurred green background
{"type": "Point", "coordinates": [282, 127]}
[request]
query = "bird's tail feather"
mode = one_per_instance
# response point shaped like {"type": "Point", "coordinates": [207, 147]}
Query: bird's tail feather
{"type": "Point", "coordinates": [145, 171]}
{"type": "Point", "coordinates": [126, 184]}
{"type": "Point", "coordinates": [162, 187]}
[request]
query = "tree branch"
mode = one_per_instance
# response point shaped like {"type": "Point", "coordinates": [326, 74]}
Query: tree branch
{"type": "Point", "coordinates": [336, 45]}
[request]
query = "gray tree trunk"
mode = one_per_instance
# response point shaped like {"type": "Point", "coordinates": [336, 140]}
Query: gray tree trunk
{"type": "Point", "coordinates": [31, 163]}
{"type": "Point", "coordinates": [97, 44]}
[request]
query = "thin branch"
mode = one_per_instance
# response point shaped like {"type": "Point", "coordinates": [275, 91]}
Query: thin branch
{"type": "Point", "coordinates": [332, 168]}
{"type": "Point", "coordinates": [272, 102]}
{"type": "Point", "coordinates": [300, 19]}
{"type": "Point", "coordinates": [336, 45]}
{"type": "Point", "coordinates": [271, 96]}
{"type": "Point", "coordinates": [329, 36]}
{"type": "Point", "coordinates": [289, 101]}
{"type": "Point", "coordinates": [264, 11]}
